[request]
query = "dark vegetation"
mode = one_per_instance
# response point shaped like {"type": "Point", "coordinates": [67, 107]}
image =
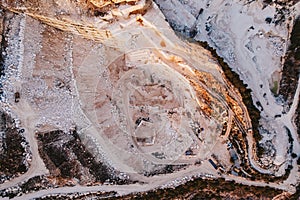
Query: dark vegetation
{"type": "Point", "coordinates": [31, 185]}
{"type": "Point", "coordinates": [281, 2]}
{"type": "Point", "coordinates": [296, 195]}
{"type": "Point", "coordinates": [12, 157]}
{"type": "Point", "coordinates": [297, 118]}
{"type": "Point", "coordinates": [65, 156]}
{"type": "Point", "coordinates": [34, 184]}
{"type": "Point", "coordinates": [254, 115]}
{"type": "Point", "coordinates": [208, 189]}
{"type": "Point", "coordinates": [165, 169]}
{"type": "Point", "coordinates": [294, 51]}
{"type": "Point", "coordinates": [291, 67]}
{"type": "Point", "coordinates": [3, 45]}
{"type": "Point", "coordinates": [245, 92]}
{"type": "Point", "coordinates": [79, 196]}
{"type": "Point", "coordinates": [96, 11]}
{"type": "Point", "coordinates": [238, 140]}
{"type": "Point", "coordinates": [41, 183]}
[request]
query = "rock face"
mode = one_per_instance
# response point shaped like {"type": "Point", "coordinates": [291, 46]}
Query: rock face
{"type": "Point", "coordinates": [109, 95]}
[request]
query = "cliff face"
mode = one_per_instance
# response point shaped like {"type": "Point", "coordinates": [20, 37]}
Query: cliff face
{"type": "Point", "coordinates": [79, 17]}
